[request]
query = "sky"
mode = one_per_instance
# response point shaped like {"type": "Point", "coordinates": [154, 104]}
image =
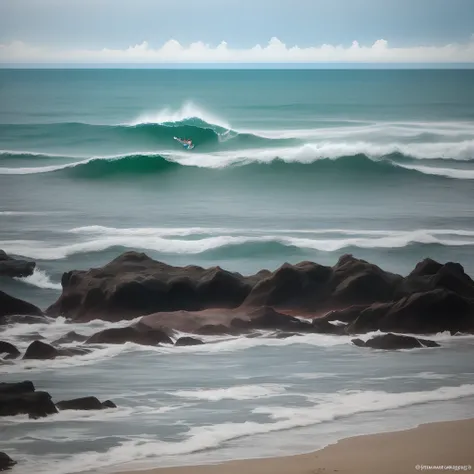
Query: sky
{"type": "Point", "coordinates": [236, 31]}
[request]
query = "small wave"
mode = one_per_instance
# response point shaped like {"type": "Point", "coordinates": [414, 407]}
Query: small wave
{"type": "Point", "coordinates": [240, 392]}
{"type": "Point", "coordinates": [155, 242]}
{"type": "Point", "coordinates": [41, 280]}
{"type": "Point", "coordinates": [187, 111]}
{"type": "Point", "coordinates": [328, 407]}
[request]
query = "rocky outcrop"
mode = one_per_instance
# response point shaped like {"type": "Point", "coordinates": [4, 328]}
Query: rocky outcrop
{"type": "Point", "coordinates": [21, 398]}
{"type": "Point", "coordinates": [43, 351]}
{"type": "Point", "coordinates": [85, 403]}
{"type": "Point", "coordinates": [133, 285]}
{"type": "Point", "coordinates": [394, 342]}
{"type": "Point", "coordinates": [15, 268]}
{"type": "Point", "coordinates": [433, 297]}
{"type": "Point", "coordinates": [14, 306]}
{"type": "Point", "coordinates": [138, 334]}
{"type": "Point", "coordinates": [421, 313]}
{"type": "Point", "coordinates": [6, 462]}
{"type": "Point", "coordinates": [188, 341]}
{"type": "Point", "coordinates": [9, 349]}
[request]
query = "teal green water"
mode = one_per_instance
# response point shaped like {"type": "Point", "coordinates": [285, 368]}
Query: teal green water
{"type": "Point", "coordinates": [288, 166]}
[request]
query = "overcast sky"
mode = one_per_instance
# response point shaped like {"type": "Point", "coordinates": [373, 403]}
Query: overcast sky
{"type": "Point", "coordinates": [230, 30]}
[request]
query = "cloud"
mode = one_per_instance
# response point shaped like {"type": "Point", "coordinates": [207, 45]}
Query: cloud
{"type": "Point", "coordinates": [275, 51]}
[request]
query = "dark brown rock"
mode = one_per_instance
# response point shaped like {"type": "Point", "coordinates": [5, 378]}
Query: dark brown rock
{"type": "Point", "coordinates": [9, 349]}
{"type": "Point", "coordinates": [6, 462]}
{"type": "Point", "coordinates": [71, 336]}
{"type": "Point", "coordinates": [85, 403]}
{"type": "Point", "coordinates": [21, 398]}
{"type": "Point", "coordinates": [421, 313]}
{"type": "Point", "coordinates": [137, 335]}
{"type": "Point", "coordinates": [42, 351]}
{"type": "Point", "coordinates": [394, 342]}
{"type": "Point", "coordinates": [188, 341]}
{"type": "Point", "coordinates": [15, 268]}
{"type": "Point", "coordinates": [14, 306]}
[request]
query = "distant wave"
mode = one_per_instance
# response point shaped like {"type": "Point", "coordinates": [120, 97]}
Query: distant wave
{"type": "Point", "coordinates": [246, 244]}
{"type": "Point", "coordinates": [321, 159]}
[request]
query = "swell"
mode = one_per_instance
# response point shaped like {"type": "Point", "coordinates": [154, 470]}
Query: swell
{"type": "Point", "coordinates": [292, 163]}
{"type": "Point", "coordinates": [228, 244]}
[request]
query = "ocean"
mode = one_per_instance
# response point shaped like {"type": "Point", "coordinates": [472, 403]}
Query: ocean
{"type": "Point", "coordinates": [288, 165]}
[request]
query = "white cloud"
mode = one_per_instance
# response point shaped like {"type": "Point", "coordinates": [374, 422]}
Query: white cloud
{"type": "Point", "coordinates": [274, 52]}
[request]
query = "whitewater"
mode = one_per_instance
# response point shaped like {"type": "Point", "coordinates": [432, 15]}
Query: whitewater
{"type": "Point", "coordinates": [288, 166]}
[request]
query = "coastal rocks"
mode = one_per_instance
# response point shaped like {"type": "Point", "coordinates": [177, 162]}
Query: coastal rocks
{"type": "Point", "coordinates": [21, 398]}
{"type": "Point", "coordinates": [42, 351]}
{"type": "Point", "coordinates": [9, 349]}
{"type": "Point", "coordinates": [15, 268]}
{"type": "Point", "coordinates": [85, 403]}
{"type": "Point", "coordinates": [394, 342]}
{"type": "Point", "coordinates": [188, 341]}
{"type": "Point", "coordinates": [432, 298]}
{"type": "Point", "coordinates": [310, 287]}
{"type": "Point", "coordinates": [267, 318]}
{"type": "Point", "coordinates": [133, 285]}
{"type": "Point", "coordinates": [10, 305]}
{"type": "Point", "coordinates": [6, 462]}
{"type": "Point", "coordinates": [138, 334]}
{"type": "Point", "coordinates": [421, 313]}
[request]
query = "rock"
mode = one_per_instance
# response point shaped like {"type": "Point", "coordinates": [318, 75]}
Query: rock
{"type": "Point", "coordinates": [308, 286]}
{"type": "Point", "coordinates": [71, 336]}
{"type": "Point", "coordinates": [394, 341]}
{"type": "Point", "coordinates": [421, 313]}
{"type": "Point", "coordinates": [188, 341]}
{"type": "Point", "coordinates": [14, 268]}
{"type": "Point", "coordinates": [430, 275]}
{"type": "Point", "coordinates": [18, 387]}
{"type": "Point", "coordinates": [133, 285]}
{"type": "Point", "coordinates": [137, 335]}
{"type": "Point", "coordinates": [21, 398]}
{"type": "Point", "coordinates": [9, 349]}
{"type": "Point", "coordinates": [14, 306]}
{"type": "Point", "coordinates": [85, 403]}
{"type": "Point", "coordinates": [268, 318]}
{"type": "Point", "coordinates": [42, 351]}
{"type": "Point", "coordinates": [6, 462]}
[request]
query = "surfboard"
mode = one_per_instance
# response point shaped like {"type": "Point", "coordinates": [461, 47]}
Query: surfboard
{"type": "Point", "coordinates": [185, 145]}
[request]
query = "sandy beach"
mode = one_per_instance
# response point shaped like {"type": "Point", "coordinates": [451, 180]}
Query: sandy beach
{"type": "Point", "coordinates": [434, 447]}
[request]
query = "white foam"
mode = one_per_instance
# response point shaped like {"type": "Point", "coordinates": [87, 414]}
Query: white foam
{"type": "Point", "coordinates": [303, 154]}
{"type": "Point", "coordinates": [446, 172]}
{"type": "Point", "coordinates": [239, 392]}
{"type": "Point", "coordinates": [40, 279]}
{"type": "Point", "coordinates": [327, 407]}
{"type": "Point", "coordinates": [150, 239]}
{"type": "Point", "coordinates": [188, 110]}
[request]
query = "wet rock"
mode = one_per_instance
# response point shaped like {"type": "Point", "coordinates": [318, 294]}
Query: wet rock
{"type": "Point", "coordinates": [40, 350]}
{"type": "Point", "coordinates": [6, 462]}
{"type": "Point", "coordinates": [188, 341]}
{"type": "Point", "coordinates": [21, 398]}
{"type": "Point", "coordinates": [15, 268]}
{"type": "Point", "coordinates": [9, 349]}
{"type": "Point", "coordinates": [150, 337]}
{"type": "Point", "coordinates": [394, 342]}
{"type": "Point", "coordinates": [85, 403]}
{"type": "Point", "coordinates": [14, 306]}
{"type": "Point", "coordinates": [71, 336]}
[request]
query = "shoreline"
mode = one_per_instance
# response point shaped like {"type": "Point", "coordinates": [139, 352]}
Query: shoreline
{"type": "Point", "coordinates": [444, 446]}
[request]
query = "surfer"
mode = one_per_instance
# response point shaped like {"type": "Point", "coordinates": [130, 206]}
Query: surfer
{"type": "Point", "coordinates": [186, 142]}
